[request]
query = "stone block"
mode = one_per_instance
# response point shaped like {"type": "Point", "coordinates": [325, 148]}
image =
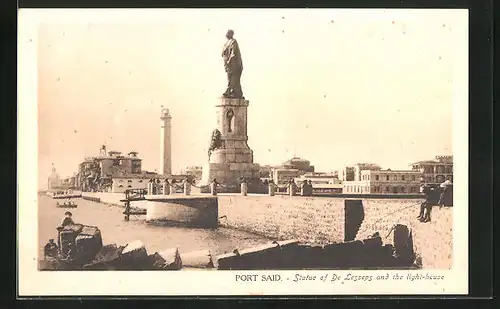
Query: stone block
{"type": "Point", "coordinates": [237, 167]}
{"type": "Point", "coordinates": [259, 257]}
{"type": "Point", "coordinates": [228, 261]}
{"type": "Point", "coordinates": [230, 157]}
{"type": "Point", "coordinates": [229, 144]}
{"type": "Point", "coordinates": [241, 145]}
{"type": "Point", "coordinates": [353, 218]}
{"type": "Point", "coordinates": [239, 158]}
{"type": "Point", "coordinates": [305, 257]}
{"type": "Point", "coordinates": [134, 250]}
{"type": "Point", "coordinates": [373, 242]}
{"type": "Point", "coordinates": [108, 258]}
{"type": "Point", "coordinates": [167, 259]}
{"type": "Point", "coordinates": [344, 255]}
{"type": "Point", "coordinates": [197, 259]}
{"type": "Point", "coordinates": [248, 174]}
{"type": "Point", "coordinates": [218, 157]}
{"type": "Point", "coordinates": [221, 175]}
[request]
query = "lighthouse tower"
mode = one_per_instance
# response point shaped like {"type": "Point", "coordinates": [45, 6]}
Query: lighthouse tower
{"type": "Point", "coordinates": [165, 142]}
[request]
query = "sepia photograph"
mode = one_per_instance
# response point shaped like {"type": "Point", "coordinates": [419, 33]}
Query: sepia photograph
{"type": "Point", "coordinates": [306, 151]}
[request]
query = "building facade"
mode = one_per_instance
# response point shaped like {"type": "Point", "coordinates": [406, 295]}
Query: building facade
{"type": "Point", "coordinates": [435, 171]}
{"type": "Point", "coordinates": [297, 163]}
{"type": "Point", "coordinates": [384, 182]}
{"type": "Point", "coordinates": [318, 178]}
{"type": "Point", "coordinates": [359, 167]}
{"type": "Point", "coordinates": [196, 172]}
{"type": "Point", "coordinates": [289, 170]}
{"type": "Point", "coordinates": [347, 174]}
{"type": "Point", "coordinates": [282, 176]}
{"type": "Point", "coordinates": [96, 173]}
{"type": "Point", "coordinates": [266, 171]}
{"type": "Point", "coordinates": [120, 184]}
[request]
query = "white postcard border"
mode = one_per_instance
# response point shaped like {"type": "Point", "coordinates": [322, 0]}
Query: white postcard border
{"type": "Point", "coordinates": [32, 282]}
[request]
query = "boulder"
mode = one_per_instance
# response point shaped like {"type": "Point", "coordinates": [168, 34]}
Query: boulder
{"type": "Point", "coordinates": [134, 256]}
{"type": "Point", "coordinates": [168, 259]}
{"type": "Point", "coordinates": [197, 259]}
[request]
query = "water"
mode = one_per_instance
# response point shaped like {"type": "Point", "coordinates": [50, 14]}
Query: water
{"type": "Point", "coordinates": [115, 230]}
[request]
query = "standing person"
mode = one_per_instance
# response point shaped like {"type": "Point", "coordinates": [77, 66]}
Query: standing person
{"type": "Point", "coordinates": [68, 220]}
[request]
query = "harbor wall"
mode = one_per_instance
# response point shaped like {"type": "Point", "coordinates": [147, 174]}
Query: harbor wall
{"type": "Point", "coordinates": [307, 219]}
{"type": "Point", "coordinates": [104, 197]}
{"type": "Point", "coordinates": [433, 241]}
{"type": "Point", "coordinates": [321, 220]}
{"type": "Point", "coordinates": [194, 211]}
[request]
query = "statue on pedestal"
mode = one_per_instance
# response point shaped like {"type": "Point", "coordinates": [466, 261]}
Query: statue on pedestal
{"type": "Point", "coordinates": [233, 66]}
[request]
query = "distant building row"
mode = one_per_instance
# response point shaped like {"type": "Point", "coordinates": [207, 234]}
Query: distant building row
{"type": "Point", "coordinates": [367, 178]}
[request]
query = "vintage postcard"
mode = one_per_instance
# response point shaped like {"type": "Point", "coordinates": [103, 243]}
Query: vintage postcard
{"type": "Point", "coordinates": [243, 152]}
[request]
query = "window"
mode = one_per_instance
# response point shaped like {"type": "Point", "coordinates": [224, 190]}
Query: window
{"type": "Point", "coordinates": [395, 177]}
{"type": "Point", "coordinates": [387, 177]}
{"type": "Point", "coordinates": [403, 177]}
{"type": "Point", "coordinates": [387, 189]}
{"type": "Point", "coordinates": [140, 181]}
{"type": "Point", "coordinates": [129, 180]}
{"type": "Point", "coordinates": [120, 186]}
{"type": "Point", "coordinates": [129, 186]}
{"type": "Point", "coordinates": [377, 177]}
{"type": "Point", "coordinates": [413, 177]}
{"type": "Point", "coordinates": [402, 189]}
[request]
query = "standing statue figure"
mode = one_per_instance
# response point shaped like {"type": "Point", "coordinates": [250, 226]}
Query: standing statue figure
{"type": "Point", "coordinates": [233, 65]}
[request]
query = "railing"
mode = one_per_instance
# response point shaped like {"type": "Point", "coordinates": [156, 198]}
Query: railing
{"type": "Point", "coordinates": [135, 194]}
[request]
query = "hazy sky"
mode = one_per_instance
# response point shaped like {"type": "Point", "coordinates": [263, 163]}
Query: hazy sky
{"type": "Point", "coordinates": [333, 86]}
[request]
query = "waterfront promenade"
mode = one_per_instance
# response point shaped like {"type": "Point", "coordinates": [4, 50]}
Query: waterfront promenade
{"type": "Point", "coordinates": [114, 229]}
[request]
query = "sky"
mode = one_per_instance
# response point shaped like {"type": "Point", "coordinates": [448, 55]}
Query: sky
{"type": "Point", "coordinates": [333, 86]}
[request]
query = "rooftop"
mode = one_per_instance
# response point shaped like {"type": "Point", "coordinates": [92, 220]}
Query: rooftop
{"type": "Point", "coordinates": [431, 162]}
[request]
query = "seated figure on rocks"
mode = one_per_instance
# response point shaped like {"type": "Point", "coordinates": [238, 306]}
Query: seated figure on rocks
{"type": "Point", "coordinates": [426, 206]}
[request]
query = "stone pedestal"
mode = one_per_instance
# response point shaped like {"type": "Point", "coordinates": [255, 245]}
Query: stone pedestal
{"type": "Point", "coordinates": [244, 189]}
{"type": "Point", "coordinates": [187, 188]}
{"type": "Point", "coordinates": [234, 158]}
{"type": "Point", "coordinates": [166, 188]}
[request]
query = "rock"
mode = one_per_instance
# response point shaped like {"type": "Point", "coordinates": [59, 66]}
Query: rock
{"type": "Point", "coordinates": [134, 256]}
{"type": "Point", "coordinates": [197, 259]}
{"type": "Point", "coordinates": [168, 259]}
{"type": "Point", "coordinates": [267, 256]}
{"type": "Point", "coordinates": [228, 261]}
